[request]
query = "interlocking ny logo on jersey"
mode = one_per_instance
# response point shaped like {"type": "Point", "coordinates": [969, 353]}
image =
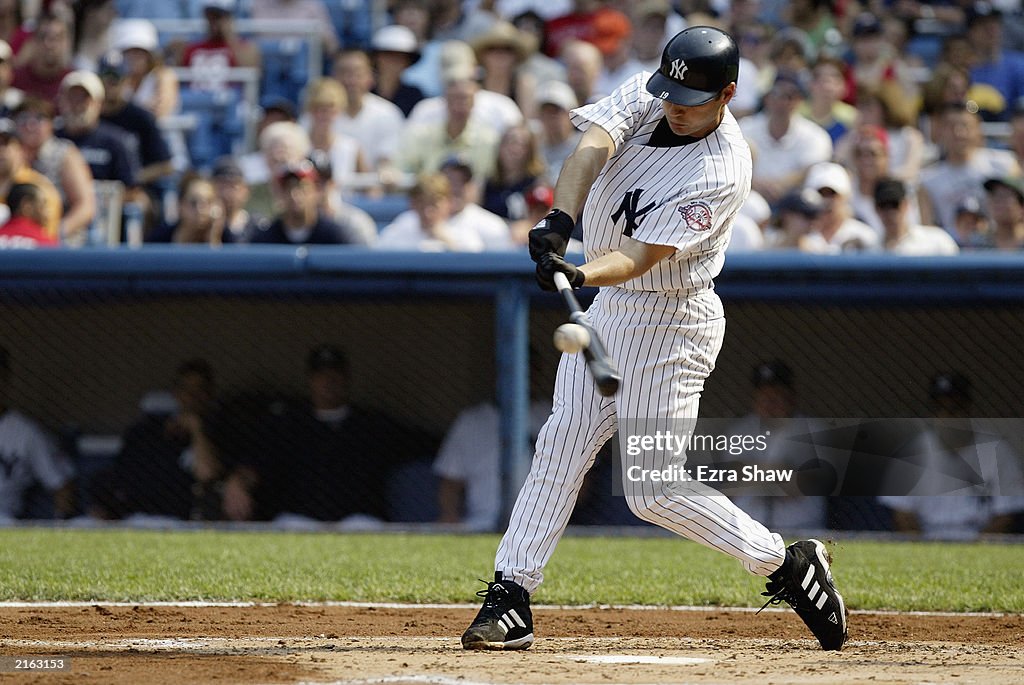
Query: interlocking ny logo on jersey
{"type": "Point", "coordinates": [628, 206]}
{"type": "Point", "coordinates": [678, 69]}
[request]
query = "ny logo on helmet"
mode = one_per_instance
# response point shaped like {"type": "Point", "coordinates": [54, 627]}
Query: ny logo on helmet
{"type": "Point", "coordinates": [678, 69]}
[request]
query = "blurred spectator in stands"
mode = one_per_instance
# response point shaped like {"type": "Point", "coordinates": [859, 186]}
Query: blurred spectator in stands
{"type": "Point", "coordinates": [449, 20]}
{"type": "Point", "coordinates": [102, 145]}
{"type": "Point", "coordinates": [427, 226]}
{"type": "Point", "coordinates": [201, 216]}
{"type": "Point", "coordinates": [874, 60]}
{"type": "Point", "coordinates": [233, 193]}
{"type": "Point", "coordinates": [790, 51]}
{"type": "Point", "coordinates": [14, 29]}
{"type": "Point", "coordinates": [824, 105]}
{"type": "Point", "coordinates": [889, 108]}
{"type": "Point", "coordinates": [775, 413]}
{"type": "Point", "coordinates": [1016, 141]}
{"type": "Point", "coordinates": [424, 146]}
{"type": "Point", "coordinates": [518, 167]}
{"type": "Point", "coordinates": [614, 38]}
{"type": "Point", "coordinates": [650, 19]}
{"type": "Point", "coordinates": [325, 102]}
{"type": "Point", "coordinates": [866, 154]}
{"type": "Point", "coordinates": [994, 65]}
{"type": "Point", "coordinates": [500, 52]}
{"type": "Point", "coordinates": [352, 219]}
{"type": "Point", "coordinates": [816, 19]}
{"type": "Point", "coordinates": [537, 64]}
{"type": "Point", "coordinates": [945, 499]}
{"type": "Point", "coordinates": [965, 165]}
{"type": "Point", "coordinates": [325, 460]}
{"type": "Point", "coordinates": [47, 61]}
{"type": "Point", "coordinates": [314, 10]}
{"type": "Point", "coordinates": [796, 220]}
{"type": "Point", "coordinates": [282, 143]}
{"type": "Point", "coordinates": [586, 21]}
{"type": "Point", "coordinates": [148, 82]}
{"type": "Point", "coordinates": [1005, 195]}
{"type": "Point", "coordinates": [24, 229]}
{"type": "Point", "coordinates": [948, 86]}
{"type": "Point", "coordinates": [539, 200]}
{"type": "Point", "coordinates": [145, 142]}
{"type": "Point", "coordinates": [467, 216]}
{"type": "Point", "coordinates": [756, 68]}
{"type": "Point", "coordinates": [220, 49]}
{"type": "Point", "coordinates": [837, 230]}
{"type": "Point", "coordinates": [60, 161]}
{"type": "Point", "coordinates": [14, 170]}
{"type": "Point", "coordinates": [167, 461]}
{"type": "Point", "coordinates": [558, 137]}
{"type": "Point", "coordinates": [10, 97]}
{"type": "Point", "coordinates": [902, 235]}
{"type": "Point", "coordinates": [972, 227]}
{"type": "Point", "coordinates": [29, 456]}
{"type": "Point", "coordinates": [254, 164]}
{"type": "Point", "coordinates": [368, 118]}
{"type": "Point", "coordinates": [415, 15]}
{"type": "Point", "coordinates": [750, 223]}
{"type": "Point", "coordinates": [91, 32]}
{"type": "Point", "coordinates": [301, 221]}
{"type": "Point", "coordinates": [490, 109]}
{"type": "Point", "coordinates": [583, 64]}
{"type": "Point", "coordinates": [394, 49]}
{"type": "Point", "coordinates": [785, 143]}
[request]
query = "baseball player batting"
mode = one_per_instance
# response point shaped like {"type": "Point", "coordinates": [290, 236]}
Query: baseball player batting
{"type": "Point", "coordinates": [663, 169]}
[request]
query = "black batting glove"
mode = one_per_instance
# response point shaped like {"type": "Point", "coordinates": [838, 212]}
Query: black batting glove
{"type": "Point", "coordinates": [551, 234]}
{"type": "Point", "coordinates": [549, 264]}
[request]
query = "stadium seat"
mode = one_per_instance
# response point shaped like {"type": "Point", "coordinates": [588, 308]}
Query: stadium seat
{"type": "Point", "coordinates": [285, 67]}
{"type": "Point", "coordinates": [220, 123]}
{"type": "Point", "coordinates": [353, 21]}
{"type": "Point", "coordinates": [151, 9]}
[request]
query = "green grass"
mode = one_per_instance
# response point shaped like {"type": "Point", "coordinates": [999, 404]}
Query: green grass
{"type": "Point", "coordinates": [92, 565]}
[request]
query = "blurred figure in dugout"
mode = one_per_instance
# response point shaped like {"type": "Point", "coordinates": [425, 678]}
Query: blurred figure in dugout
{"type": "Point", "coordinates": [774, 411]}
{"type": "Point", "coordinates": [169, 464]}
{"type": "Point", "coordinates": [29, 456]}
{"type": "Point", "coordinates": [943, 498]}
{"type": "Point", "coordinates": [324, 459]}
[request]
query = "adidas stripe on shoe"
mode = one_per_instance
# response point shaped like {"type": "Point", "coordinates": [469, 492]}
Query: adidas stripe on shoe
{"type": "Point", "coordinates": [504, 621]}
{"type": "Point", "coordinates": [804, 581]}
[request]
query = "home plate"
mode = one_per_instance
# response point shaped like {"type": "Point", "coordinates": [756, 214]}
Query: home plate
{"type": "Point", "coordinates": [636, 659]}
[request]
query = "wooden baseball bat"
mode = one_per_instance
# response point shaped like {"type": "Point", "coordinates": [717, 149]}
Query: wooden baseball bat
{"type": "Point", "coordinates": [602, 367]}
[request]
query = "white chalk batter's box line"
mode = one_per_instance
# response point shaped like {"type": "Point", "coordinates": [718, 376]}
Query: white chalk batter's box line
{"type": "Point", "coordinates": [542, 607]}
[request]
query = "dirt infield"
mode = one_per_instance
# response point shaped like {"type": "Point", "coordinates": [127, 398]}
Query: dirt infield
{"type": "Point", "coordinates": [320, 644]}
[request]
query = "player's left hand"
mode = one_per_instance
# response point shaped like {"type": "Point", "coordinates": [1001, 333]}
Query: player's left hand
{"type": "Point", "coordinates": [549, 264]}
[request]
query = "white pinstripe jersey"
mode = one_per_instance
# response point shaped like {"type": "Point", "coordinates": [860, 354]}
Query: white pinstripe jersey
{"type": "Point", "coordinates": [685, 196]}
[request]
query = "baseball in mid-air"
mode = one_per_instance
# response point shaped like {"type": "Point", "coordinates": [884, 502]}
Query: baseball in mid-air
{"type": "Point", "coordinates": [571, 337]}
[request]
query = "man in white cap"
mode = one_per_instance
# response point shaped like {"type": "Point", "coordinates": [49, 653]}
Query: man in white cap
{"type": "Point", "coordinates": [394, 49]}
{"type": "Point", "coordinates": [838, 231]}
{"type": "Point", "coordinates": [558, 137]}
{"type": "Point", "coordinates": [79, 103]}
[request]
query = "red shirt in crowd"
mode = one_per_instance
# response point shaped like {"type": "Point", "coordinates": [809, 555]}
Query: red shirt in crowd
{"type": "Point", "coordinates": [23, 233]}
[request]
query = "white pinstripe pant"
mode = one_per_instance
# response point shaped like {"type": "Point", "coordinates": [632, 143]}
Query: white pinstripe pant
{"type": "Point", "coordinates": [665, 347]}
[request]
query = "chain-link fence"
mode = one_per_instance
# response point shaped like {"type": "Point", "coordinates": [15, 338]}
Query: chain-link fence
{"type": "Point", "coordinates": [233, 393]}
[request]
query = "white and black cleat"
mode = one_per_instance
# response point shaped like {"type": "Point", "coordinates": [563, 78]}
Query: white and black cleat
{"type": "Point", "coordinates": [804, 581]}
{"type": "Point", "coordinates": [504, 621]}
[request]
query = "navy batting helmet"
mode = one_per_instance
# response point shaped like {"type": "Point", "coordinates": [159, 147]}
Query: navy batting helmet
{"type": "Point", "coordinates": [695, 65]}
